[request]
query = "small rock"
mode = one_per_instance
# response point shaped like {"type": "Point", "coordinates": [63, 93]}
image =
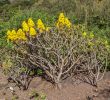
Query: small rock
{"type": "Point", "coordinates": [11, 88]}
{"type": "Point", "coordinates": [95, 90]}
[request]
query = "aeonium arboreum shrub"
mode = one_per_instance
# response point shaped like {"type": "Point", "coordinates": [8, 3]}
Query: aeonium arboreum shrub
{"type": "Point", "coordinates": [61, 51]}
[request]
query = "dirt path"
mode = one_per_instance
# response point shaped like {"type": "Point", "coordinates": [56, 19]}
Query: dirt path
{"type": "Point", "coordinates": [69, 91]}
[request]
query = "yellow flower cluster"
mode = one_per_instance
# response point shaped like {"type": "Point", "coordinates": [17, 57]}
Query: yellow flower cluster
{"type": "Point", "coordinates": [90, 35]}
{"type": "Point", "coordinates": [40, 25]}
{"type": "Point", "coordinates": [106, 44]}
{"type": "Point", "coordinates": [30, 22]}
{"type": "Point", "coordinates": [25, 26]}
{"type": "Point", "coordinates": [84, 34]}
{"type": "Point", "coordinates": [63, 21]}
{"type": "Point", "coordinates": [13, 35]}
{"type": "Point", "coordinates": [29, 28]}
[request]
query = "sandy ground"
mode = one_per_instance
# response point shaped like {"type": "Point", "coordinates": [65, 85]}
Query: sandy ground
{"type": "Point", "coordinates": [69, 90]}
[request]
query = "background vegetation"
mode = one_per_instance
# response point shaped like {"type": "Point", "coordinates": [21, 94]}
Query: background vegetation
{"type": "Point", "coordinates": [93, 13]}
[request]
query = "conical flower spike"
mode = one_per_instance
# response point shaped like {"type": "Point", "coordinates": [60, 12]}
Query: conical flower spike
{"type": "Point", "coordinates": [31, 22]}
{"type": "Point", "coordinates": [25, 26]}
{"type": "Point", "coordinates": [32, 31]}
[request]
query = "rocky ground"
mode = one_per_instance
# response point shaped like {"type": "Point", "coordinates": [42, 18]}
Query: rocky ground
{"type": "Point", "coordinates": [43, 89]}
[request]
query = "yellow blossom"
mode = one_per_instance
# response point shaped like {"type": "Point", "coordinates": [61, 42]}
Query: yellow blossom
{"type": "Point", "coordinates": [14, 35]}
{"type": "Point", "coordinates": [67, 22]}
{"type": "Point", "coordinates": [13, 32]}
{"type": "Point", "coordinates": [61, 18]}
{"type": "Point", "coordinates": [32, 31]}
{"type": "Point", "coordinates": [84, 34]}
{"type": "Point", "coordinates": [63, 21]}
{"type": "Point", "coordinates": [8, 32]}
{"type": "Point", "coordinates": [21, 34]}
{"type": "Point", "coordinates": [106, 42]}
{"type": "Point", "coordinates": [48, 29]}
{"type": "Point", "coordinates": [91, 35]}
{"type": "Point", "coordinates": [40, 25]}
{"type": "Point", "coordinates": [61, 15]}
{"type": "Point", "coordinates": [31, 22]}
{"type": "Point", "coordinates": [11, 35]}
{"type": "Point", "coordinates": [25, 26]}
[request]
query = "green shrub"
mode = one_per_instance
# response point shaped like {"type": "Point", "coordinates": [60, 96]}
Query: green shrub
{"type": "Point", "coordinates": [60, 53]}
